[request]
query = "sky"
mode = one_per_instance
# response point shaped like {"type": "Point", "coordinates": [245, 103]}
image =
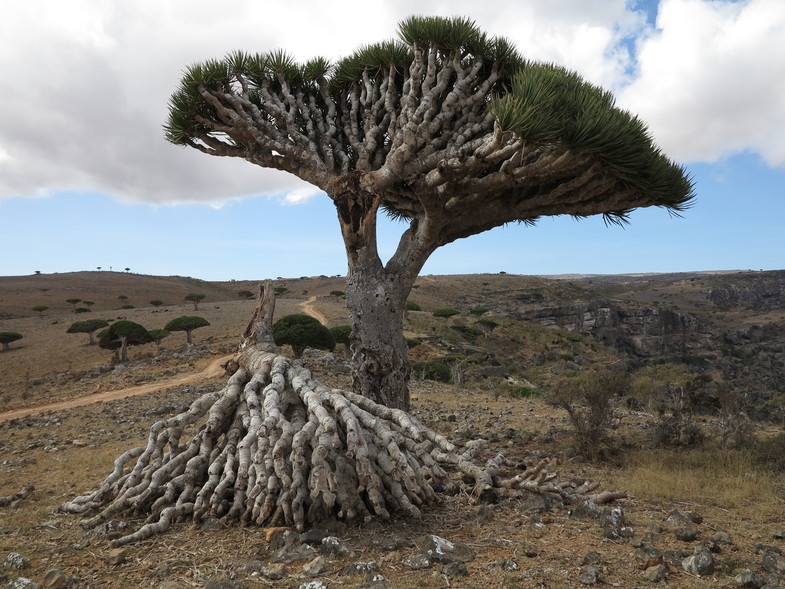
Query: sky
{"type": "Point", "coordinates": [87, 180]}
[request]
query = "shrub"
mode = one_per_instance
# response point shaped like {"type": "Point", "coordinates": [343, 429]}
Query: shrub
{"type": "Point", "coordinates": [522, 392]}
{"type": "Point", "coordinates": [337, 293]}
{"type": "Point", "coordinates": [446, 312]}
{"type": "Point", "coordinates": [769, 454]}
{"type": "Point", "coordinates": [478, 310]}
{"type": "Point", "coordinates": [412, 306]}
{"type": "Point", "coordinates": [302, 331]}
{"type": "Point", "coordinates": [412, 342]}
{"type": "Point", "coordinates": [341, 334]}
{"type": "Point", "coordinates": [468, 332]}
{"type": "Point", "coordinates": [432, 370]}
{"type": "Point", "coordinates": [588, 398]}
{"type": "Point", "coordinates": [245, 294]}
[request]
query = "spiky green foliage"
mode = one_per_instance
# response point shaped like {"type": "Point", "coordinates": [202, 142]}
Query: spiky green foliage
{"type": "Point", "coordinates": [186, 323]}
{"type": "Point", "coordinates": [89, 327]}
{"type": "Point", "coordinates": [121, 334]}
{"type": "Point", "coordinates": [7, 337]}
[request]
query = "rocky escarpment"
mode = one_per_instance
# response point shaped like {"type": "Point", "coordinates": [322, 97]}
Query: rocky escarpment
{"type": "Point", "coordinates": [759, 291]}
{"type": "Point", "coordinates": [638, 330]}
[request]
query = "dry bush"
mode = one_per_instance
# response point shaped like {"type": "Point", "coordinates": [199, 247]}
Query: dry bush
{"type": "Point", "coordinates": [589, 399]}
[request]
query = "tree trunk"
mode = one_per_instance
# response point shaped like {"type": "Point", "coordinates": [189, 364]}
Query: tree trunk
{"type": "Point", "coordinates": [375, 296]}
{"type": "Point", "coordinates": [380, 360]}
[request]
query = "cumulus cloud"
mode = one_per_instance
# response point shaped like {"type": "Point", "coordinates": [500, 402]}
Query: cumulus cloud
{"type": "Point", "coordinates": [85, 85]}
{"type": "Point", "coordinates": [711, 79]}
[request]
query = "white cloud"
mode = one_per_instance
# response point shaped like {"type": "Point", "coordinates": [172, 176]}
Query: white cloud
{"type": "Point", "coordinates": [85, 84]}
{"type": "Point", "coordinates": [712, 79]}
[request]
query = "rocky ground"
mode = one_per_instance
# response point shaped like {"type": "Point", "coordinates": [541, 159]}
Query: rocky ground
{"type": "Point", "coordinates": [531, 542]}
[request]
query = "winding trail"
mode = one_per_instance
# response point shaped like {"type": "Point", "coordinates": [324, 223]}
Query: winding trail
{"type": "Point", "coordinates": [308, 307]}
{"type": "Point", "coordinates": [213, 369]}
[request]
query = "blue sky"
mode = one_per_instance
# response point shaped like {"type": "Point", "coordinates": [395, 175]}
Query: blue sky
{"type": "Point", "coordinates": [87, 180]}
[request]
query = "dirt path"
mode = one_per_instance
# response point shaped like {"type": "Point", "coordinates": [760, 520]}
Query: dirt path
{"type": "Point", "coordinates": [212, 369]}
{"type": "Point", "coordinates": [308, 307]}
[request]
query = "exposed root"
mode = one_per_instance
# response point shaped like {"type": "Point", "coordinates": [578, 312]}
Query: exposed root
{"type": "Point", "coordinates": [277, 447]}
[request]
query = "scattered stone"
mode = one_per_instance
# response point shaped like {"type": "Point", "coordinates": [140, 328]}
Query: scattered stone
{"type": "Point", "coordinates": [773, 562]}
{"type": "Point", "coordinates": [748, 579]}
{"type": "Point", "coordinates": [443, 551]}
{"type": "Point", "coordinates": [282, 538]}
{"type": "Point", "coordinates": [386, 543]}
{"type": "Point", "coordinates": [613, 525]}
{"type": "Point", "coordinates": [700, 563]}
{"type": "Point", "coordinates": [356, 568]}
{"type": "Point", "coordinates": [313, 585]}
{"type": "Point", "coordinates": [116, 556]}
{"type": "Point", "coordinates": [375, 582]}
{"type": "Point", "coordinates": [55, 579]}
{"type": "Point", "coordinates": [301, 552]}
{"type": "Point", "coordinates": [656, 574]}
{"type": "Point", "coordinates": [688, 534]}
{"type": "Point", "coordinates": [721, 537]}
{"type": "Point", "coordinates": [455, 569]}
{"type": "Point", "coordinates": [314, 536]}
{"type": "Point", "coordinates": [679, 518]}
{"type": "Point", "coordinates": [332, 546]}
{"type": "Point", "coordinates": [590, 575]}
{"type": "Point", "coordinates": [587, 510]}
{"type": "Point", "coordinates": [779, 534]}
{"type": "Point", "coordinates": [647, 557]}
{"type": "Point", "coordinates": [22, 583]}
{"type": "Point", "coordinates": [592, 557]}
{"type": "Point", "coordinates": [416, 562]}
{"type": "Point", "coordinates": [14, 560]}
{"type": "Point", "coordinates": [315, 567]}
{"type": "Point", "coordinates": [273, 572]}
{"type": "Point", "coordinates": [506, 564]}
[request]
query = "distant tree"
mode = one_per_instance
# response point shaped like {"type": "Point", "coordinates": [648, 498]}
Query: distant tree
{"type": "Point", "coordinates": [81, 310]}
{"type": "Point", "coordinates": [6, 337]}
{"type": "Point", "coordinates": [245, 294]}
{"type": "Point", "coordinates": [123, 297]}
{"type": "Point", "coordinates": [122, 334]}
{"type": "Point", "coordinates": [158, 335]}
{"type": "Point", "coordinates": [89, 327]}
{"type": "Point", "coordinates": [88, 303]}
{"type": "Point", "coordinates": [195, 298]}
{"type": "Point", "coordinates": [156, 303]}
{"type": "Point", "coordinates": [127, 307]}
{"type": "Point", "coordinates": [37, 272]}
{"type": "Point", "coordinates": [73, 302]}
{"type": "Point", "coordinates": [186, 323]}
{"type": "Point", "coordinates": [127, 269]}
{"type": "Point", "coordinates": [98, 268]}
{"type": "Point", "coordinates": [40, 310]}
{"type": "Point", "coordinates": [302, 331]}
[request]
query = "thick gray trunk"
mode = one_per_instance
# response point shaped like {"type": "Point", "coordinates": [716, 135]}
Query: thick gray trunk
{"type": "Point", "coordinates": [380, 363]}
